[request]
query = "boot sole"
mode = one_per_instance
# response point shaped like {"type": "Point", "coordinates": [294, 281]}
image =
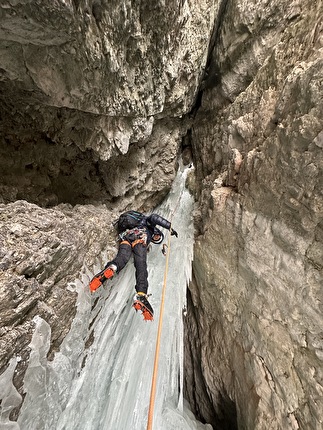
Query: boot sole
{"type": "Point", "coordinates": [138, 306]}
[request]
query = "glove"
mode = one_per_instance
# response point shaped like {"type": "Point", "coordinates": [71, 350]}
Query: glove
{"type": "Point", "coordinates": [173, 232]}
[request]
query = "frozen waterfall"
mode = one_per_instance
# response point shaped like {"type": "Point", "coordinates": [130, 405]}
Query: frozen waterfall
{"type": "Point", "coordinates": [101, 378]}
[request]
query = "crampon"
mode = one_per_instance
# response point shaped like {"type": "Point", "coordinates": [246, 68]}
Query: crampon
{"type": "Point", "coordinates": [141, 304]}
{"type": "Point", "coordinates": [98, 279]}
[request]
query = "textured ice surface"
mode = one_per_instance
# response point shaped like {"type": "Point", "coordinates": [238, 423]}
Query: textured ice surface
{"type": "Point", "coordinates": [9, 397]}
{"type": "Point", "coordinates": [107, 386]}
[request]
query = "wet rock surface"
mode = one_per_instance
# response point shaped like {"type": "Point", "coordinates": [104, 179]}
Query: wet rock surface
{"type": "Point", "coordinates": [257, 295]}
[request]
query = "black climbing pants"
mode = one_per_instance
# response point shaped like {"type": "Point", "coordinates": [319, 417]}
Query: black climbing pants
{"type": "Point", "coordinates": [139, 252]}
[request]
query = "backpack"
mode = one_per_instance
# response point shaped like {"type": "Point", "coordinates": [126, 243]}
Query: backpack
{"type": "Point", "coordinates": [129, 220]}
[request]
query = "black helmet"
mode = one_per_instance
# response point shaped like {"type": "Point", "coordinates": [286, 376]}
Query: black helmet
{"type": "Point", "coordinates": [157, 237]}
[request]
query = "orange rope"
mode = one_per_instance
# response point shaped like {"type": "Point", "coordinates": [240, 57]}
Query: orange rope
{"type": "Point", "coordinates": [160, 323]}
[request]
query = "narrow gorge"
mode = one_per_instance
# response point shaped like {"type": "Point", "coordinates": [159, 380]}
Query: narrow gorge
{"type": "Point", "coordinates": [100, 100]}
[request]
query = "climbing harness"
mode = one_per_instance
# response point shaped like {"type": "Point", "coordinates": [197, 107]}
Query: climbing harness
{"type": "Point", "coordinates": [133, 231]}
{"type": "Point", "coordinates": [134, 236]}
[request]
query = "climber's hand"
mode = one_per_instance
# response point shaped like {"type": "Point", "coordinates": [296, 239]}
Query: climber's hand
{"type": "Point", "coordinates": [173, 232]}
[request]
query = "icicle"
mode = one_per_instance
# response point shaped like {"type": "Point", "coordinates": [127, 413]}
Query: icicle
{"type": "Point", "coordinates": [9, 397]}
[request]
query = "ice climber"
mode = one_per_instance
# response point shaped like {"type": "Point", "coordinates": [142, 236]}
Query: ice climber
{"type": "Point", "coordinates": [136, 231]}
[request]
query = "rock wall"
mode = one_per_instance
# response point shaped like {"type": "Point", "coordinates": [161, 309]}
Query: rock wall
{"type": "Point", "coordinates": [85, 82]}
{"type": "Point", "coordinates": [93, 98]}
{"type": "Point", "coordinates": [42, 253]}
{"type": "Point", "coordinates": [256, 308]}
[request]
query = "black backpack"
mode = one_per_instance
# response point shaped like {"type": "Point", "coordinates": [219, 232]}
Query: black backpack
{"type": "Point", "coordinates": [129, 220]}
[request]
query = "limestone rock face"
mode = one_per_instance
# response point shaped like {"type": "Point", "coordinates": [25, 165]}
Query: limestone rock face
{"type": "Point", "coordinates": [257, 293]}
{"type": "Point", "coordinates": [85, 82]}
{"type": "Point", "coordinates": [43, 252]}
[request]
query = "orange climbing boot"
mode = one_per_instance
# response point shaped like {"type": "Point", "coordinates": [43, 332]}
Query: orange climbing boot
{"type": "Point", "coordinates": [108, 273]}
{"type": "Point", "coordinates": [95, 284]}
{"type": "Point", "coordinates": [102, 276]}
{"type": "Point", "coordinates": [141, 304]}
